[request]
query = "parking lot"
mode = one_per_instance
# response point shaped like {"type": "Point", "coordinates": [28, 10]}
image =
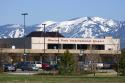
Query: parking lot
{"type": "Point", "coordinates": [29, 68]}
{"type": "Point", "coordinates": [20, 72]}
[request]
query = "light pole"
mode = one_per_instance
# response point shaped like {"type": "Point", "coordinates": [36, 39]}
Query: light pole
{"type": "Point", "coordinates": [58, 38]}
{"type": "Point", "coordinates": [24, 14]}
{"type": "Point", "coordinates": [58, 43]}
{"type": "Point", "coordinates": [81, 58]}
{"type": "Point", "coordinates": [117, 55]}
{"type": "Point", "coordinates": [44, 25]}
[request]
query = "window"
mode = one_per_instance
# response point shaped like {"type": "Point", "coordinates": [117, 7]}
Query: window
{"type": "Point", "coordinates": [53, 46]}
{"type": "Point", "coordinates": [69, 46]}
{"type": "Point", "coordinates": [98, 47]}
{"type": "Point", "coordinates": [82, 46]}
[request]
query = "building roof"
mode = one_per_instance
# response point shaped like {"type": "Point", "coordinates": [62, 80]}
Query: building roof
{"type": "Point", "coordinates": [41, 34]}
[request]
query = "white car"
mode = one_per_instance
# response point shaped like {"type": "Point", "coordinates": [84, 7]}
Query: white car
{"type": "Point", "coordinates": [34, 67]}
{"type": "Point", "coordinates": [37, 64]}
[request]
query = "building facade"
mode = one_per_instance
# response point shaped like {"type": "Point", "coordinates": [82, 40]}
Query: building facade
{"type": "Point", "coordinates": [52, 44]}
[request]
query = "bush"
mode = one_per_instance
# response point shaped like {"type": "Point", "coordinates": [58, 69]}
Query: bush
{"type": "Point", "coordinates": [1, 70]}
{"type": "Point", "coordinates": [66, 63]}
{"type": "Point", "coordinates": [122, 62]}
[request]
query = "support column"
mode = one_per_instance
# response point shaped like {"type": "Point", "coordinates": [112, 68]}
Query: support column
{"type": "Point", "coordinates": [76, 46]}
{"type": "Point", "coordinates": [61, 46]}
{"type": "Point", "coordinates": [41, 57]}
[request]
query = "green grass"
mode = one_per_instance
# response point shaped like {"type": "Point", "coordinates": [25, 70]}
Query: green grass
{"type": "Point", "coordinates": [58, 79]}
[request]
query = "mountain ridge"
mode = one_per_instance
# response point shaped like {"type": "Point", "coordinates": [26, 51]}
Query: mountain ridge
{"type": "Point", "coordinates": [84, 27]}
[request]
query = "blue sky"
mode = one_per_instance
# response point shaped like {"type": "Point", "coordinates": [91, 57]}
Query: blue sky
{"type": "Point", "coordinates": [58, 10]}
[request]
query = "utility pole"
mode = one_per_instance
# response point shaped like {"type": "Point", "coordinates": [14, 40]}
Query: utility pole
{"type": "Point", "coordinates": [24, 14]}
{"type": "Point", "coordinates": [56, 54]}
{"type": "Point", "coordinates": [92, 56]}
{"type": "Point", "coordinates": [58, 39]}
{"type": "Point", "coordinates": [44, 25]}
{"type": "Point", "coordinates": [117, 55]}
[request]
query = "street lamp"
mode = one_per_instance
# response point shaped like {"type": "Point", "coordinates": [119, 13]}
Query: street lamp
{"type": "Point", "coordinates": [81, 59]}
{"type": "Point", "coordinates": [24, 14]}
{"type": "Point", "coordinates": [58, 38]}
{"type": "Point", "coordinates": [44, 25]}
{"type": "Point", "coordinates": [57, 34]}
{"type": "Point", "coordinates": [117, 55]}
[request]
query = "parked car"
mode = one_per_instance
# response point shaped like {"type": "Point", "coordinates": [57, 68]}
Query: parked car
{"type": "Point", "coordinates": [29, 67]}
{"type": "Point", "coordinates": [33, 67]}
{"type": "Point", "coordinates": [9, 67]}
{"type": "Point", "coordinates": [48, 66]}
{"type": "Point", "coordinates": [37, 63]}
{"type": "Point", "coordinates": [20, 64]}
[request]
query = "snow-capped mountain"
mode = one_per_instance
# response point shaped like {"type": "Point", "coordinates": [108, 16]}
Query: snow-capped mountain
{"type": "Point", "coordinates": [84, 27]}
{"type": "Point", "coordinates": [11, 30]}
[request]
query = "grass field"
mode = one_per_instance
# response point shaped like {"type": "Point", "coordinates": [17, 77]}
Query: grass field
{"type": "Point", "coordinates": [58, 79]}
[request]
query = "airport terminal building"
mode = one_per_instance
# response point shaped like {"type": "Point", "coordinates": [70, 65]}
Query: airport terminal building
{"type": "Point", "coordinates": [52, 44]}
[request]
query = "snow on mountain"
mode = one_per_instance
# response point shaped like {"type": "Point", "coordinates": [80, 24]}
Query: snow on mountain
{"type": "Point", "coordinates": [98, 19]}
{"type": "Point", "coordinates": [40, 26]}
{"type": "Point", "coordinates": [11, 30]}
{"type": "Point", "coordinates": [16, 33]}
{"type": "Point", "coordinates": [84, 27]}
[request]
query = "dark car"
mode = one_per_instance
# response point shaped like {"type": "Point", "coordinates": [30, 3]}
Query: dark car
{"type": "Point", "coordinates": [9, 67]}
{"type": "Point", "coordinates": [20, 64]}
{"type": "Point", "coordinates": [48, 66]}
{"type": "Point", "coordinates": [29, 67]}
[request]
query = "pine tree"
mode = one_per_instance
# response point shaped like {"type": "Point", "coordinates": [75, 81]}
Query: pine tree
{"type": "Point", "coordinates": [66, 63]}
{"type": "Point", "coordinates": [122, 62]}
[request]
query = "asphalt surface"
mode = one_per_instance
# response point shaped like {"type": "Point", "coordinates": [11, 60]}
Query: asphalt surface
{"type": "Point", "coordinates": [20, 72]}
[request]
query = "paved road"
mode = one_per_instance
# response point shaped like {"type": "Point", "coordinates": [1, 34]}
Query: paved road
{"type": "Point", "coordinates": [19, 71]}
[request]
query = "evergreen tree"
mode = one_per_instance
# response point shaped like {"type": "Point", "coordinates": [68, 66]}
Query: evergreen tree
{"type": "Point", "coordinates": [122, 62]}
{"type": "Point", "coordinates": [66, 63]}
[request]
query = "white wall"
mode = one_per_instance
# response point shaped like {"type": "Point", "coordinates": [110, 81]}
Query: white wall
{"type": "Point", "coordinates": [112, 44]}
{"type": "Point", "coordinates": [38, 42]}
